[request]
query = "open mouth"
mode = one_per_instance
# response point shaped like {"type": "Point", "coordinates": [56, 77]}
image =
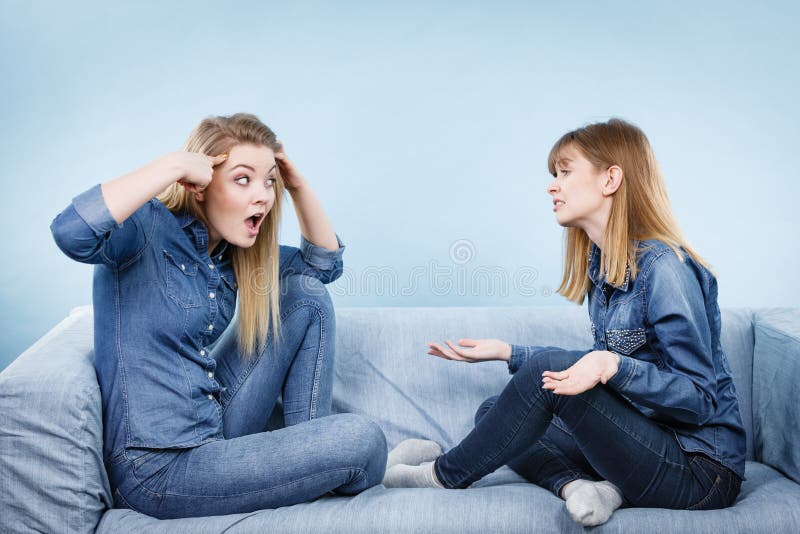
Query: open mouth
{"type": "Point", "coordinates": [253, 222]}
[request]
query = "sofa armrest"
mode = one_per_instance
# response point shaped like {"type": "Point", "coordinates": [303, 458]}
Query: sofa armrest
{"type": "Point", "coordinates": [776, 389]}
{"type": "Point", "coordinates": [51, 449]}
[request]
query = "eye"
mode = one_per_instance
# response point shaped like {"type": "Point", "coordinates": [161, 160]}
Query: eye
{"type": "Point", "coordinates": [270, 182]}
{"type": "Point", "coordinates": [563, 171]}
{"type": "Point", "coordinates": [242, 180]}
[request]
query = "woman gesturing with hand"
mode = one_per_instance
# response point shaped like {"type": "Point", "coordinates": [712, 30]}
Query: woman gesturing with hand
{"type": "Point", "coordinates": [472, 350]}
{"type": "Point", "coordinates": [648, 415]}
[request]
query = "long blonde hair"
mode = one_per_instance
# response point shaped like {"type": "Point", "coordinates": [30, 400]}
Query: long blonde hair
{"type": "Point", "coordinates": [256, 267]}
{"type": "Point", "coordinates": [640, 208]}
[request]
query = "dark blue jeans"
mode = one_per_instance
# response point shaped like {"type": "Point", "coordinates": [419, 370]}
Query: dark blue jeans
{"type": "Point", "coordinates": [595, 435]}
{"type": "Point", "coordinates": [309, 454]}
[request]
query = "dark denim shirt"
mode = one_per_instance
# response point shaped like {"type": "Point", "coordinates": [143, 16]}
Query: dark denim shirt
{"type": "Point", "coordinates": [159, 301]}
{"type": "Point", "coordinates": [665, 327]}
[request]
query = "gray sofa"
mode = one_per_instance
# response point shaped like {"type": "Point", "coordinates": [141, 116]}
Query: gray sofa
{"type": "Point", "coordinates": [53, 480]}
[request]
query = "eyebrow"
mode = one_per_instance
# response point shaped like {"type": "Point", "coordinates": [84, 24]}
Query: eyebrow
{"type": "Point", "coordinates": [252, 168]}
{"type": "Point", "coordinates": [563, 161]}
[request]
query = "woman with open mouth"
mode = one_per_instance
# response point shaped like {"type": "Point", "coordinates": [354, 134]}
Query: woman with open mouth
{"type": "Point", "coordinates": [201, 320]}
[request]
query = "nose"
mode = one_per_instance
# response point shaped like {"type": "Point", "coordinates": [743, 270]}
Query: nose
{"type": "Point", "coordinates": [263, 194]}
{"type": "Point", "coordinates": [553, 188]}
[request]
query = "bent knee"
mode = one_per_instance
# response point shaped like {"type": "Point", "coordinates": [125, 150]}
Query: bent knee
{"type": "Point", "coordinates": [365, 445]}
{"type": "Point", "coordinates": [551, 360]}
{"type": "Point", "coordinates": [300, 288]}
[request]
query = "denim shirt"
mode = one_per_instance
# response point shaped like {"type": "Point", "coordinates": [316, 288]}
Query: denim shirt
{"type": "Point", "coordinates": [665, 327]}
{"type": "Point", "coordinates": [159, 300]}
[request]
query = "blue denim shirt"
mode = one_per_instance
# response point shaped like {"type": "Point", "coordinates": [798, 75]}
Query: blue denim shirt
{"type": "Point", "coordinates": [159, 301]}
{"type": "Point", "coordinates": [665, 327]}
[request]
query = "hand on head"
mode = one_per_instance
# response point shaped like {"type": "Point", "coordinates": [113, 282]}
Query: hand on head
{"type": "Point", "coordinates": [197, 169]}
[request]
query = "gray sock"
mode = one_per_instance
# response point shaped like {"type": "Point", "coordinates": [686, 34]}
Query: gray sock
{"type": "Point", "coordinates": [591, 503]}
{"type": "Point", "coordinates": [411, 476]}
{"type": "Point", "coordinates": [413, 452]}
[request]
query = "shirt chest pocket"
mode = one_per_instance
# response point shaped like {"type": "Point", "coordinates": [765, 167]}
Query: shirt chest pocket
{"type": "Point", "coordinates": [625, 340]}
{"type": "Point", "coordinates": [181, 280]}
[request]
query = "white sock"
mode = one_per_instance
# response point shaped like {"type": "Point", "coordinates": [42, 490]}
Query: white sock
{"type": "Point", "coordinates": [413, 452]}
{"type": "Point", "coordinates": [411, 476]}
{"type": "Point", "coordinates": [591, 503]}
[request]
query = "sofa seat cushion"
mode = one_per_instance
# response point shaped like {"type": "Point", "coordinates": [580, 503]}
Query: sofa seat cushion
{"type": "Point", "coordinates": [501, 502]}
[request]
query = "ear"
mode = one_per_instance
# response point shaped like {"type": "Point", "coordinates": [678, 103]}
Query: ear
{"type": "Point", "coordinates": [612, 179]}
{"type": "Point", "coordinates": [200, 196]}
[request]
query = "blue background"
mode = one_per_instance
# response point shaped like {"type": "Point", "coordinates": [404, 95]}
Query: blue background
{"type": "Point", "coordinates": [423, 128]}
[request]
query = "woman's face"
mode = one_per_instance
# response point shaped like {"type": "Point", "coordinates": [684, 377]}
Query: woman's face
{"type": "Point", "coordinates": [240, 195]}
{"type": "Point", "coordinates": [578, 191]}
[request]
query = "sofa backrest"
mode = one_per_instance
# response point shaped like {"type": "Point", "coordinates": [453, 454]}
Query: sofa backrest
{"type": "Point", "coordinates": [52, 477]}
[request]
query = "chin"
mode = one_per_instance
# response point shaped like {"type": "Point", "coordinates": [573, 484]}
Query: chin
{"type": "Point", "coordinates": [562, 221]}
{"type": "Point", "coordinates": [241, 242]}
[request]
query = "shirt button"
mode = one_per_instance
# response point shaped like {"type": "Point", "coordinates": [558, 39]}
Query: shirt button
{"type": "Point", "coordinates": [202, 353]}
{"type": "Point", "coordinates": [211, 327]}
{"type": "Point", "coordinates": [210, 375]}
{"type": "Point", "coordinates": [211, 397]}
{"type": "Point", "coordinates": [211, 266]}
{"type": "Point", "coordinates": [211, 295]}
{"type": "Point", "coordinates": [183, 267]}
{"type": "Point", "coordinates": [219, 258]}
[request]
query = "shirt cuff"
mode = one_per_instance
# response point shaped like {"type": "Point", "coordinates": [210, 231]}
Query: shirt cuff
{"type": "Point", "coordinates": [625, 371]}
{"type": "Point", "coordinates": [519, 355]}
{"type": "Point", "coordinates": [91, 207]}
{"type": "Point", "coordinates": [319, 257]}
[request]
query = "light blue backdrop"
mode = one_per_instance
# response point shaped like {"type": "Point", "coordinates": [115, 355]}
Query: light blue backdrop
{"type": "Point", "coordinates": [424, 129]}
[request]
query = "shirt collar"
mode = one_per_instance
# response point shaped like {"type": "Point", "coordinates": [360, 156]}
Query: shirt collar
{"type": "Point", "coordinates": [197, 231]}
{"type": "Point", "coordinates": [594, 269]}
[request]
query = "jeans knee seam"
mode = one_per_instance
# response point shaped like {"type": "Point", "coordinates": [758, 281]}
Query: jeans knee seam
{"type": "Point", "coordinates": [318, 364]}
{"type": "Point", "coordinates": [320, 353]}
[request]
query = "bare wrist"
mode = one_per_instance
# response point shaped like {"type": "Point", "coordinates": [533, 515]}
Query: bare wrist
{"type": "Point", "coordinates": [505, 354]}
{"type": "Point", "coordinates": [298, 185]}
{"type": "Point", "coordinates": [615, 361]}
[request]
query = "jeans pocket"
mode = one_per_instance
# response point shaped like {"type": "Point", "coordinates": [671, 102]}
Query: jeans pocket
{"type": "Point", "coordinates": [121, 502]}
{"type": "Point", "coordinates": [137, 456]}
{"type": "Point", "coordinates": [712, 498]}
{"type": "Point", "coordinates": [720, 479]}
{"type": "Point", "coordinates": [151, 470]}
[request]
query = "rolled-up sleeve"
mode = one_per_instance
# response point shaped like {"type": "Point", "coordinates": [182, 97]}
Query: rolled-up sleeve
{"type": "Point", "coordinates": [91, 207]}
{"type": "Point", "coordinates": [312, 260]}
{"type": "Point", "coordinates": [87, 232]}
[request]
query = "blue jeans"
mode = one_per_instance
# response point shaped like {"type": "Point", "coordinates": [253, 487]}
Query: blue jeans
{"type": "Point", "coordinates": [312, 454]}
{"type": "Point", "coordinates": [596, 435]}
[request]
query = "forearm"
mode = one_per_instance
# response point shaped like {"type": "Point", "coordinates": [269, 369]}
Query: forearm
{"type": "Point", "coordinates": [669, 394]}
{"type": "Point", "coordinates": [314, 224]}
{"type": "Point", "coordinates": [126, 194]}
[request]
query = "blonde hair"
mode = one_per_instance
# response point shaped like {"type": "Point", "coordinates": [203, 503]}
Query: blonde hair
{"type": "Point", "coordinates": [256, 267]}
{"type": "Point", "coordinates": [640, 207]}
